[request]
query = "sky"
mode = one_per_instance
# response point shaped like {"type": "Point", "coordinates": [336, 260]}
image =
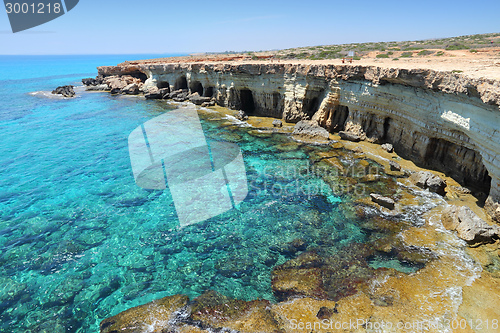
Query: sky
{"type": "Point", "coordinates": [164, 26]}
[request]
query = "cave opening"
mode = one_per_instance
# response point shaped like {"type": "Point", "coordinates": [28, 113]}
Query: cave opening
{"type": "Point", "coordinates": [247, 102]}
{"type": "Point", "coordinates": [387, 124]}
{"type": "Point", "coordinates": [139, 75]}
{"type": "Point", "coordinates": [311, 102]}
{"type": "Point", "coordinates": [163, 84]}
{"type": "Point", "coordinates": [181, 83]}
{"type": "Point", "coordinates": [196, 86]}
{"type": "Point", "coordinates": [461, 163]}
{"type": "Point", "coordinates": [209, 92]}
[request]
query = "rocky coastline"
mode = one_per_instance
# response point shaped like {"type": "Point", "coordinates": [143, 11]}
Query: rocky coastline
{"type": "Point", "coordinates": [439, 120]}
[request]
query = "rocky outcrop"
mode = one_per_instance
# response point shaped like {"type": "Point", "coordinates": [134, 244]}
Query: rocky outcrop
{"type": "Point", "coordinates": [241, 115]}
{"type": "Point", "coordinates": [66, 91]}
{"type": "Point", "coordinates": [441, 120]}
{"type": "Point", "coordinates": [428, 180]}
{"type": "Point", "coordinates": [383, 201]}
{"type": "Point", "coordinates": [468, 225]}
{"type": "Point", "coordinates": [310, 130]}
{"type": "Point", "coordinates": [349, 136]}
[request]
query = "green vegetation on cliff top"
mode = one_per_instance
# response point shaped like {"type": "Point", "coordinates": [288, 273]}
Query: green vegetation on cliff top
{"type": "Point", "coordinates": [392, 49]}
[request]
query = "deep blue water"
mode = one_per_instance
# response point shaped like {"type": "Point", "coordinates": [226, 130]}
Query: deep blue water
{"type": "Point", "coordinates": [80, 241]}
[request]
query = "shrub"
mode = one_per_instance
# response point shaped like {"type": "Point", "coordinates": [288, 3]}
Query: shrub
{"type": "Point", "coordinates": [425, 52]}
{"type": "Point", "coordinates": [456, 46]}
{"type": "Point", "coordinates": [406, 54]}
{"type": "Point", "coordinates": [383, 55]}
{"type": "Point", "coordinates": [440, 53]}
{"type": "Point", "coordinates": [473, 51]}
{"type": "Point", "coordinates": [395, 59]}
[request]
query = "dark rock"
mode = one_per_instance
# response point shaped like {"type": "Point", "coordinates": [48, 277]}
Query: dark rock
{"type": "Point", "coordinates": [66, 91]}
{"type": "Point", "coordinates": [310, 130]}
{"type": "Point", "coordinates": [234, 267]}
{"type": "Point", "coordinates": [195, 98]}
{"type": "Point", "coordinates": [383, 201]}
{"type": "Point", "coordinates": [93, 82]}
{"type": "Point", "coordinates": [468, 225]}
{"type": "Point", "coordinates": [177, 93]}
{"type": "Point", "coordinates": [115, 91]}
{"type": "Point", "coordinates": [428, 180]}
{"type": "Point", "coordinates": [155, 93]}
{"type": "Point", "coordinates": [291, 248]}
{"type": "Point", "coordinates": [181, 97]}
{"type": "Point", "coordinates": [277, 123]}
{"type": "Point", "coordinates": [241, 115]}
{"type": "Point", "coordinates": [325, 313]}
{"type": "Point", "coordinates": [349, 136]}
{"type": "Point", "coordinates": [394, 166]}
{"type": "Point", "coordinates": [388, 147]}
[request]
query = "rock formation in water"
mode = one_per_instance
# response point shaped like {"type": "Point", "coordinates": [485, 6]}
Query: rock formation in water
{"type": "Point", "coordinates": [66, 91]}
{"type": "Point", "coordinates": [441, 120]}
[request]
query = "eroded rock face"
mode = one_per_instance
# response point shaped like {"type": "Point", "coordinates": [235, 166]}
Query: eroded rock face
{"type": "Point", "coordinates": [441, 120]}
{"type": "Point", "coordinates": [468, 225]}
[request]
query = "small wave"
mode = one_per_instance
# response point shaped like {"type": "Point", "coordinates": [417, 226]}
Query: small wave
{"type": "Point", "coordinates": [236, 121]}
{"type": "Point", "coordinates": [49, 94]}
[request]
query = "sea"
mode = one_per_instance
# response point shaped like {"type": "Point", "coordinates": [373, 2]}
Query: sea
{"type": "Point", "coordinates": [80, 241]}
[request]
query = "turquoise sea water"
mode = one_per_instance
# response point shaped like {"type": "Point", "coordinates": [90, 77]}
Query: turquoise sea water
{"type": "Point", "coordinates": [80, 241]}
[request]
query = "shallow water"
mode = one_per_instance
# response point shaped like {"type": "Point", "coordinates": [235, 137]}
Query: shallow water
{"type": "Point", "coordinates": [80, 241]}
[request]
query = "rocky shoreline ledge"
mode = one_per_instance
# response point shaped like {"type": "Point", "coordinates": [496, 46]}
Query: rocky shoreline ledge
{"type": "Point", "coordinates": [439, 120]}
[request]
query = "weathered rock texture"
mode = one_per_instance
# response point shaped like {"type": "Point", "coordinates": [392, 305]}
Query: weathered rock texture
{"type": "Point", "coordinates": [440, 120]}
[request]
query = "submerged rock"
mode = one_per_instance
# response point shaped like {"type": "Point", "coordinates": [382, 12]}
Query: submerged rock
{"type": "Point", "coordinates": [468, 225]}
{"type": "Point", "coordinates": [151, 317]}
{"type": "Point", "coordinates": [428, 180]}
{"type": "Point", "coordinates": [383, 201]}
{"type": "Point", "coordinates": [310, 129]}
{"type": "Point", "coordinates": [215, 311]}
{"type": "Point", "coordinates": [66, 91]}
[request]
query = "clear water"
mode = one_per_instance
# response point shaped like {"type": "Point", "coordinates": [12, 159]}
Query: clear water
{"type": "Point", "coordinates": [81, 242]}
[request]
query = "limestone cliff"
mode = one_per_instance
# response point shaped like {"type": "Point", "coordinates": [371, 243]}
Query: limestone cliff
{"type": "Point", "coordinates": [441, 120]}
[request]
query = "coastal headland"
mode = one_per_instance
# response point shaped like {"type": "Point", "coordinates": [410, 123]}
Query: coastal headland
{"type": "Point", "coordinates": [442, 115]}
